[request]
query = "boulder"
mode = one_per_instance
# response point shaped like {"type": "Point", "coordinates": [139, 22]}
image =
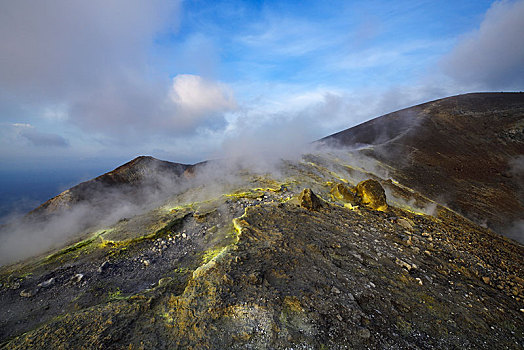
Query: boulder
{"type": "Point", "coordinates": [47, 283]}
{"type": "Point", "coordinates": [27, 293]}
{"type": "Point", "coordinates": [372, 195]}
{"type": "Point", "coordinates": [343, 193]}
{"type": "Point", "coordinates": [404, 223]}
{"type": "Point", "coordinates": [77, 278]}
{"type": "Point", "coordinates": [309, 200]}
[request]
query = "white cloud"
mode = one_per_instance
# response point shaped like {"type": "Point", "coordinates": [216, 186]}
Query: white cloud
{"type": "Point", "coordinates": [398, 55]}
{"type": "Point", "coordinates": [275, 36]}
{"type": "Point", "coordinates": [491, 57]}
{"type": "Point", "coordinates": [54, 49]}
{"type": "Point", "coordinates": [25, 134]}
{"type": "Point", "coordinates": [134, 109]}
{"type": "Point", "coordinates": [42, 139]}
{"type": "Point", "coordinates": [196, 97]}
{"type": "Point", "coordinates": [55, 113]}
{"type": "Point", "coordinates": [21, 125]}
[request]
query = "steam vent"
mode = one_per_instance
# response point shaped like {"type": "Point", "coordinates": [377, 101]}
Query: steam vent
{"type": "Point", "coordinates": [399, 233]}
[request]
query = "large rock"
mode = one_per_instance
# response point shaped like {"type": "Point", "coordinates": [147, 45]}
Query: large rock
{"type": "Point", "coordinates": [309, 200]}
{"type": "Point", "coordinates": [344, 194]}
{"type": "Point", "coordinates": [372, 195]}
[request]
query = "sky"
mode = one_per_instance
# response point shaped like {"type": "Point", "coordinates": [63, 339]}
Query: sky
{"type": "Point", "coordinates": [88, 85]}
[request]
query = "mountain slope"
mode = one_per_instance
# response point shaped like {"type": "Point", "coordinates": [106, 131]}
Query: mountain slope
{"type": "Point", "coordinates": [466, 151]}
{"type": "Point", "coordinates": [324, 252]}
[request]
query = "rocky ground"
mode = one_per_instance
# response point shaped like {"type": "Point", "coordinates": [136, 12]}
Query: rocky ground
{"type": "Point", "coordinates": [310, 259]}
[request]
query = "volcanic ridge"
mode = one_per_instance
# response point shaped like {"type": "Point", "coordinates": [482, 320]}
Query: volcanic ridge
{"type": "Point", "coordinates": [388, 235]}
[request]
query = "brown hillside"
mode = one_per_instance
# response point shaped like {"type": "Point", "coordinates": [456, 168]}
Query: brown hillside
{"type": "Point", "coordinates": [462, 151]}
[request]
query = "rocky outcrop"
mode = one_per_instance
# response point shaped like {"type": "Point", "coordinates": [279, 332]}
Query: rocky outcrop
{"type": "Point", "coordinates": [309, 200]}
{"type": "Point", "coordinates": [343, 193]}
{"type": "Point", "coordinates": [372, 194]}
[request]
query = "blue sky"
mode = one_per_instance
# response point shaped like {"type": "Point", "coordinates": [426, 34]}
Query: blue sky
{"type": "Point", "coordinates": [92, 84]}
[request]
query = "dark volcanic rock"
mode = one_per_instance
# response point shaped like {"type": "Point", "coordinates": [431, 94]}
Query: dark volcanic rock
{"type": "Point", "coordinates": [309, 200]}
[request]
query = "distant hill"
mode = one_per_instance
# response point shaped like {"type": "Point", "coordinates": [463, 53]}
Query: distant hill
{"type": "Point", "coordinates": [464, 151]}
{"type": "Point", "coordinates": [143, 172]}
